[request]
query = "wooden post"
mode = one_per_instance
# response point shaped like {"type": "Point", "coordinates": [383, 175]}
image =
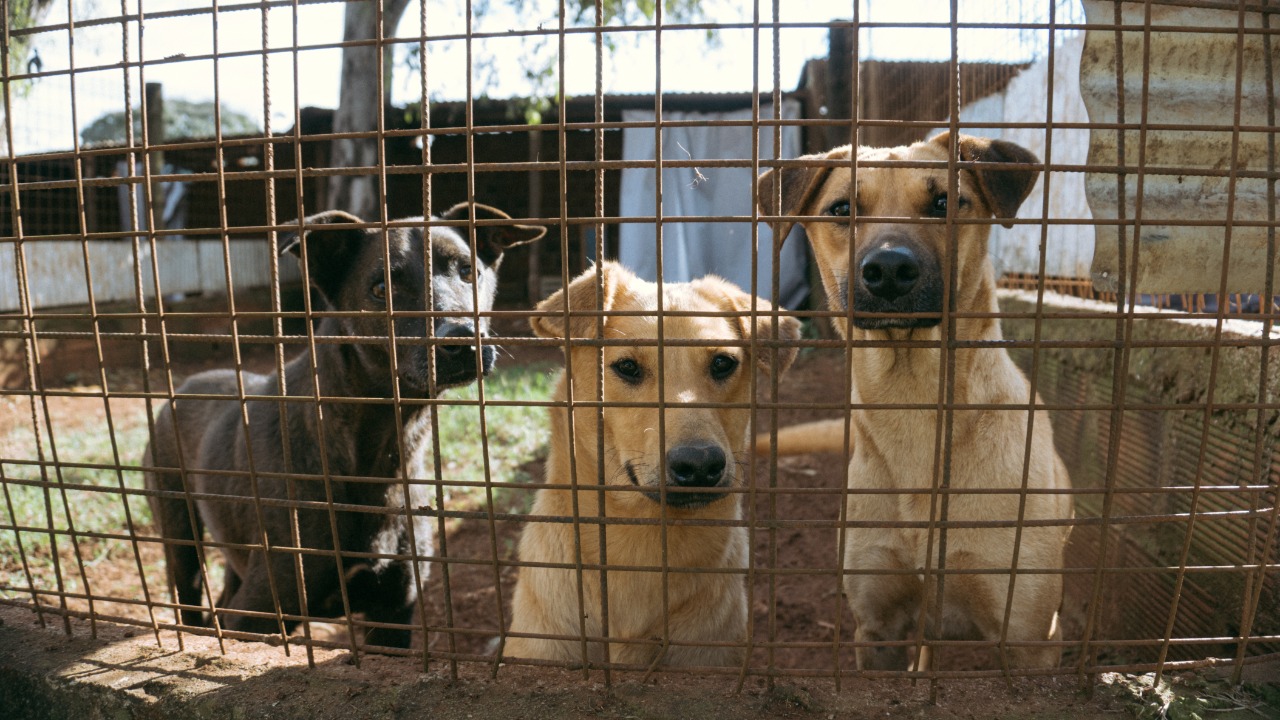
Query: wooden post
{"type": "Point", "coordinates": [816, 105]}
{"type": "Point", "coordinates": [534, 276]}
{"type": "Point", "coordinates": [841, 65]}
{"type": "Point", "coordinates": [154, 119]}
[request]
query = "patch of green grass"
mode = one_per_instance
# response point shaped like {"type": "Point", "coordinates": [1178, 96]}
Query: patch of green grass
{"type": "Point", "coordinates": [91, 509]}
{"type": "Point", "coordinates": [86, 498]}
{"type": "Point", "coordinates": [516, 435]}
{"type": "Point", "coordinates": [808, 331]}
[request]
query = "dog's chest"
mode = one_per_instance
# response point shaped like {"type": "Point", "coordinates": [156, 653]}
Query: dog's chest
{"type": "Point", "coordinates": [915, 451]}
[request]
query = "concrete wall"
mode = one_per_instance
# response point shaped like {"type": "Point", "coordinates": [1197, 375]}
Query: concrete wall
{"type": "Point", "coordinates": [1174, 405]}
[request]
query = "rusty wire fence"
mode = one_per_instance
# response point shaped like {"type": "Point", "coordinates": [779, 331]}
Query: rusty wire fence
{"type": "Point", "coordinates": [406, 428]}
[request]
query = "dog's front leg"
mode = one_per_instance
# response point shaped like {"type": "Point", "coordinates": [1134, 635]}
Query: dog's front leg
{"type": "Point", "coordinates": [254, 594]}
{"type": "Point", "coordinates": [886, 608]}
{"type": "Point", "coordinates": [385, 594]}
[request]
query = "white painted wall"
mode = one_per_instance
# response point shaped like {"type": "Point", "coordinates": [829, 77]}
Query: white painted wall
{"type": "Point", "coordinates": [1069, 248]}
{"type": "Point", "coordinates": [55, 270]}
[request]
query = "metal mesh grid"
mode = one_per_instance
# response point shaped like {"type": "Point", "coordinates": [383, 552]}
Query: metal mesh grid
{"type": "Point", "coordinates": [1172, 561]}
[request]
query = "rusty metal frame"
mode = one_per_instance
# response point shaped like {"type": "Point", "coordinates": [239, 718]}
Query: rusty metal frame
{"type": "Point", "coordinates": [1129, 317]}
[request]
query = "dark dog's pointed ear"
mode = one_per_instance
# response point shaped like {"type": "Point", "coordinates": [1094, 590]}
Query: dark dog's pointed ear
{"type": "Point", "coordinates": [583, 296]}
{"type": "Point", "coordinates": [733, 299]}
{"type": "Point", "coordinates": [799, 187]}
{"type": "Point", "coordinates": [493, 240]}
{"type": "Point", "coordinates": [332, 244]}
{"type": "Point", "coordinates": [1003, 189]}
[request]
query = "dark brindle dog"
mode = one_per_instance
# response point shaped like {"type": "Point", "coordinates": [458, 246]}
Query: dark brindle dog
{"type": "Point", "coordinates": [222, 456]}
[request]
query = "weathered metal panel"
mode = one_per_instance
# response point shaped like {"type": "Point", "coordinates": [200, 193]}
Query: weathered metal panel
{"type": "Point", "coordinates": [55, 270]}
{"type": "Point", "coordinates": [1190, 84]}
{"type": "Point", "coordinates": [55, 273]}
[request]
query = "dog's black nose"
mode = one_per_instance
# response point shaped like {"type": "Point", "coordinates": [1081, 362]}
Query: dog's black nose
{"type": "Point", "coordinates": [696, 465]}
{"type": "Point", "coordinates": [890, 272]}
{"type": "Point", "coordinates": [454, 330]}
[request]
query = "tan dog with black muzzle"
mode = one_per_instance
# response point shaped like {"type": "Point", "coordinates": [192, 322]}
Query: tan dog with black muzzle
{"type": "Point", "coordinates": [894, 275]}
{"type": "Point", "coordinates": [665, 489]}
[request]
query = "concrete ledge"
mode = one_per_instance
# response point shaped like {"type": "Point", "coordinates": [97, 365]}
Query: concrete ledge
{"type": "Point", "coordinates": [123, 675]}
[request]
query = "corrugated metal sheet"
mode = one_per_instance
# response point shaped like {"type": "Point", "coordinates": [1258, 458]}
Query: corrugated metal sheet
{"type": "Point", "coordinates": [1191, 81]}
{"type": "Point", "coordinates": [56, 270]}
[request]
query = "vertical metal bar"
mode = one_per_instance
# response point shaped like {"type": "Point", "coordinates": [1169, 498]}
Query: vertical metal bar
{"type": "Point", "coordinates": [846, 450]}
{"type": "Point", "coordinates": [598, 138]}
{"type": "Point", "coordinates": [1126, 297]}
{"type": "Point", "coordinates": [475, 299]}
{"type": "Point", "coordinates": [661, 314]}
{"type": "Point", "coordinates": [442, 539]}
{"type": "Point", "coordinates": [940, 496]}
{"type": "Point", "coordinates": [162, 325]}
{"type": "Point", "coordinates": [235, 329]}
{"type": "Point", "coordinates": [321, 431]}
{"type": "Point", "coordinates": [82, 223]}
{"type": "Point", "coordinates": [1214, 350]}
{"type": "Point", "coordinates": [36, 605]}
{"type": "Point", "coordinates": [402, 451]}
{"type": "Point", "coordinates": [291, 482]}
{"type": "Point", "coordinates": [563, 212]}
{"type": "Point", "coordinates": [773, 352]}
{"type": "Point", "coordinates": [268, 163]}
{"type": "Point", "coordinates": [31, 351]}
{"type": "Point", "coordinates": [1033, 379]}
{"type": "Point", "coordinates": [752, 423]}
{"type": "Point", "coordinates": [28, 345]}
{"type": "Point", "coordinates": [1261, 473]}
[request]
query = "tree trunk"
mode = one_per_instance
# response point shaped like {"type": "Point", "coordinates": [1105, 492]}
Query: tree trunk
{"type": "Point", "coordinates": [358, 106]}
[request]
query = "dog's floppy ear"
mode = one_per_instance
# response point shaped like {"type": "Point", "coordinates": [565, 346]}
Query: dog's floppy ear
{"type": "Point", "coordinates": [799, 185]}
{"type": "Point", "coordinates": [1003, 189]}
{"type": "Point", "coordinates": [332, 245]}
{"type": "Point", "coordinates": [582, 297]}
{"type": "Point", "coordinates": [731, 298]}
{"type": "Point", "coordinates": [493, 240]}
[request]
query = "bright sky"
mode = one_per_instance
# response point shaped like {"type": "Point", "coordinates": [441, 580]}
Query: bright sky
{"type": "Point", "coordinates": [688, 62]}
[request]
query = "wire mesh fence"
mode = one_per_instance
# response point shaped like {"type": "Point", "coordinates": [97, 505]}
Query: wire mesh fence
{"type": "Point", "coordinates": [445, 377]}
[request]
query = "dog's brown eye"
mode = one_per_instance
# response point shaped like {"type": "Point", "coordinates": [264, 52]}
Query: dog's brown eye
{"type": "Point", "coordinates": [629, 370]}
{"type": "Point", "coordinates": [939, 208]}
{"type": "Point", "coordinates": [722, 366]}
{"type": "Point", "coordinates": [464, 271]}
{"type": "Point", "coordinates": [379, 290]}
{"type": "Point", "coordinates": [839, 209]}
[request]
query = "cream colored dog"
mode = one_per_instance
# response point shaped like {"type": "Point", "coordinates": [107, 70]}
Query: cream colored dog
{"type": "Point", "coordinates": [669, 486]}
{"type": "Point", "coordinates": [894, 276]}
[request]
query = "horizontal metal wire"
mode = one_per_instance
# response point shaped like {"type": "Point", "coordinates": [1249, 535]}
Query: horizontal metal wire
{"type": "Point", "coordinates": [1168, 509]}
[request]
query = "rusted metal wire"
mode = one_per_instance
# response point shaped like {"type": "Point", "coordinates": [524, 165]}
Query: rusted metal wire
{"type": "Point", "coordinates": [1088, 355]}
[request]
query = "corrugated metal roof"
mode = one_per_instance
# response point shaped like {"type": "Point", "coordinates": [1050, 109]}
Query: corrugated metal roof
{"type": "Point", "coordinates": [1191, 81]}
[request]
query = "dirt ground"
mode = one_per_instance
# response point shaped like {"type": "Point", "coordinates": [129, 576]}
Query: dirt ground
{"type": "Point", "coordinates": [122, 673]}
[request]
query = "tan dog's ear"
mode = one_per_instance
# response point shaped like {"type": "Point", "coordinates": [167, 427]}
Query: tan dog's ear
{"type": "Point", "coordinates": [799, 185]}
{"type": "Point", "coordinates": [1003, 189]}
{"type": "Point", "coordinates": [582, 296]}
{"type": "Point", "coordinates": [788, 333]}
{"type": "Point", "coordinates": [731, 298]}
